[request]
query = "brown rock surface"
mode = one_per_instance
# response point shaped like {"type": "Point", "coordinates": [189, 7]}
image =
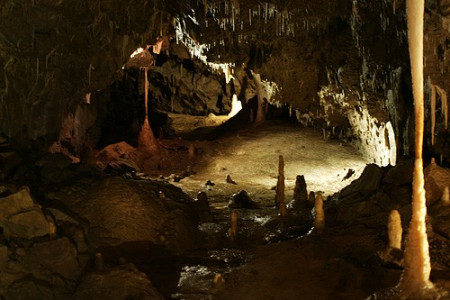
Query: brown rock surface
{"type": "Point", "coordinates": [120, 211]}
{"type": "Point", "coordinates": [124, 282]}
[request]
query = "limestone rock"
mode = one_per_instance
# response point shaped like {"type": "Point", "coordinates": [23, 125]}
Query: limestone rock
{"type": "Point", "coordinates": [242, 200]}
{"type": "Point", "coordinates": [201, 205]}
{"type": "Point", "coordinates": [28, 224]}
{"type": "Point", "coordinates": [3, 256]}
{"type": "Point", "coordinates": [436, 179]}
{"type": "Point", "coordinates": [401, 174]}
{"type": "Point", "coordinates": [300, 194]}
{"type": "Point", "coordinates": [368, 182]}
{"type": "Point", "coordinates": [120, 211]}
{"type": "Point", "coordinates": [124, 282]}
{"type": "Point", "coordinates": [8, 161]}
{"type": "Point", "coordinates": [29, 289]}
{"type": "Point", "coordinates": [55, 168]}
{"type": "Point", "coordinates": [56, 256]}
{"type": "Point", "coordinates": [114, 154]}
{"type": "Point", "coordinates": [17, 202]}
{"type": "Point", "coordinates": [20, 218]}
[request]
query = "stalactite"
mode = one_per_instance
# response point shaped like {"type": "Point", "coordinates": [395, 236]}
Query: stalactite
{"type": "Point", "coordinates": [444, 104]}
{"type": "Point", "coordinates": [416, 275]}
{"type": "Point", "coordinates": [146, 91]}
{"type": "Point", "coordinates": [433, 112]}
{"type": "Point", "coordinates": [259, 90]}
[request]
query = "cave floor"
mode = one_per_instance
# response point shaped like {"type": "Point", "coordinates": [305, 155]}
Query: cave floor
{"type": "Point", "coordinates": [251, 159]}
{"type": "Point", "coordinates": [277, 253]}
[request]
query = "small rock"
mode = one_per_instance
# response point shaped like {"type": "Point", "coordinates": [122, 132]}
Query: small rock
{"type": "Point", "coordinates": [242, 200]}
{"type": "Point", "coordinates": [210, 183]}
{"type": "Point", "coordinates": [229, 180]}
{"type": "Point", "coordinates": [201, 205]}
{"type": "Point", "coordinates": [349, 174]}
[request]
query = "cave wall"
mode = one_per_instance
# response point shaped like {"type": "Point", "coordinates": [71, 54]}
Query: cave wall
{"type": "Point", "coordinates": [341, 66]}
{"type": "Point", "coordinates": [54, 53]}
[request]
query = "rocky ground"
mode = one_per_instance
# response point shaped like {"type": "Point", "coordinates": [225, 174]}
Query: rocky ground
{"type": "Point", "coordinates": [70, 231]}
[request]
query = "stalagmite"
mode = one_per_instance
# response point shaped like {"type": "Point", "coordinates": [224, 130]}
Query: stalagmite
{"type": "Point", "coordinates": [300, 191]}
{"type": "Point", "coordinates": [319, 215]}
{"type": "Point", "coordinates": [279, 197]}
{"type": "Point", "coordinates": [312, 198]}
{"type": "Point", "coordinates": [233, 230]}
{"type": "Point", "coordinates": [191, 151]}
{"type": "Point", "coordinates": [98, 261]}
{"type": "Point", "coordinates": [395, 230]}
{"type": "Point", "coordinates": [218, 280]}
{"type": "Point", "coordinates": [416, 275]}
{"type": "Point", "coordinates": [445, 199]}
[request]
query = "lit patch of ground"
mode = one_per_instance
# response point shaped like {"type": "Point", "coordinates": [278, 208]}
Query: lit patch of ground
{"type": "Point", "coordinates": [251, 158]}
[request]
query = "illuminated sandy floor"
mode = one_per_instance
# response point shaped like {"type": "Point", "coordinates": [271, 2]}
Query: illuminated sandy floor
{"type": "Point", "coordinates": [251, 158]}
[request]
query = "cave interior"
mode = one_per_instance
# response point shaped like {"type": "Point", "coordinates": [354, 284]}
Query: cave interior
{"type": "Point", "coordinates": [224, 149]}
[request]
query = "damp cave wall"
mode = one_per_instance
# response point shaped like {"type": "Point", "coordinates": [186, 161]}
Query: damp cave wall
{"type": "Point", "coordinates": [341, 65]}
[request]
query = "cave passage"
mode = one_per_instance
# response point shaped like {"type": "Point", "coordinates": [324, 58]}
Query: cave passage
{"type": "Point", "coordinates": [251, 159]}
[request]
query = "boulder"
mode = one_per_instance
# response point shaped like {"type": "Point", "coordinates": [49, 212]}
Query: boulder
{"type": "Point", "coordinates": [242, 200]}
{"type": "Point", "coordinates": [120, 211]}
{"type": "Point", "coordinates": [436, 179]}
{"type": "Point", "coordinates": [57, 257]}
{"type": "Point", "coordinates": [3, 256]}
{"type": "Point", "coordinates": [201, 206]}
{"type": "Point", "coordinates": [19, 217]}
{"type": "Point", "coordinates": [56, 168]}
{"type": "Point", "coordinates": [368, 182]}
{"type": "Point", "coordinates": [17, 202]}
{"type": "Point", "coordinates": [28, 224]}
{"type": "Point", "coordinates": [9, 161]}
{"type": "Point", "coordinates": [29, 289]}
{"type": "Point", "coordinates": [117, 154]}
{"type": "Point", "coordinates": [124, 282]}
